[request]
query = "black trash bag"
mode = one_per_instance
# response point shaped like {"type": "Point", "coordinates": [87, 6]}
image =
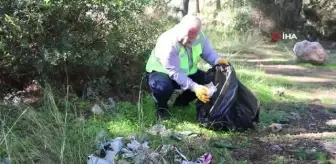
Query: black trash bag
{"type": "Point", "coordinates": [232, 106]}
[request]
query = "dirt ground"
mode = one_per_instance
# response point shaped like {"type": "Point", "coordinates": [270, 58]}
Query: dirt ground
{"type": "Point", "coordinates": [311, 136]}
{"type": "Point", "coordinates": [306, 140]}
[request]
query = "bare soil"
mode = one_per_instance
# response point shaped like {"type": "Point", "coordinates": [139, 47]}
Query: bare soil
{"type": "Point", "coordinates": [302, 140]}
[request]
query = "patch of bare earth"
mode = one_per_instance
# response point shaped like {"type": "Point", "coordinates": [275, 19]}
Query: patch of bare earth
{"type": "Point", "coordinates": [309, 139]}
{"type": "Point", "coordinates": [302, 140]}
{"type": "Point", "coordinates": [300, 74]}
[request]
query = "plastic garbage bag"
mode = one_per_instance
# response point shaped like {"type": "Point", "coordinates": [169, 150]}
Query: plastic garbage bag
{"type": "Point", "coordinates": [232, 107]}
{"type": "Point", "coordinates": [134, 148]}
{"type": "Point", "coordinates": [5, 161]}
{"type": "Point", "coordinates": [212, 89]}
{"type": "Point", "coordinates": [109, 149]}
{"type": "Point", "coordinates": [180, 158]}
{"type": "Point", "coordinates": [136, 152]}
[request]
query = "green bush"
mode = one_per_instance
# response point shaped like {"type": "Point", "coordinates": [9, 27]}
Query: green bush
{"type": "Point", "coordinates": [74, 41]}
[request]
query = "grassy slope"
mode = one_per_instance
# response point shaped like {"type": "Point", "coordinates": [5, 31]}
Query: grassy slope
{"type": "Point", "coordinates": [59, 132]}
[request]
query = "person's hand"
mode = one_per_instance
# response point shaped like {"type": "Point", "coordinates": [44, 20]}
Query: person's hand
{"type": "Point", "coordinates": [202, 93]}
{"type": "Point", "coordinates": [222, 62]}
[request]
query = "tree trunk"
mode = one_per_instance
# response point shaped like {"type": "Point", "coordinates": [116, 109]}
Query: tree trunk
{"type": "Point", "coordinates": [288, 13]}
{"type": "Point", "coordinates": [218, 4]}
{"type": "Point", "coordinates": [197, 6]}
{"type": "Point", "coordinates": [185, 7]}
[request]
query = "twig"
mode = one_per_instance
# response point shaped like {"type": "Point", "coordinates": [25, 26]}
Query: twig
{"type": "Point", "coordinates": [140, 108]}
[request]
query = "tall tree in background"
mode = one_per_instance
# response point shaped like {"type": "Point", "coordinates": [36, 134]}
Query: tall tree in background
{"type": "Point", "coordinates": [197, 6]}
{"type": "Point", "coordinates": [218, 4]}
{"type": "Point", "coordinates": [288, 12]}
{"type": "Point", "coordinates": [185, 7]}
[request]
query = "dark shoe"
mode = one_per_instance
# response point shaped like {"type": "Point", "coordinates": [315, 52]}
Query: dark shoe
{"type": "Point", "coordinates": [162, 114]}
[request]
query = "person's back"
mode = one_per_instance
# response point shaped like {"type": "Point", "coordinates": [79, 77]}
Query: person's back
{"type": "Point", "coordinates": [166, 39]}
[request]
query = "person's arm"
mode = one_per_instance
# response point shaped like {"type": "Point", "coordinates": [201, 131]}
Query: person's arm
{"type": "Point", "coordinates": [209, 55]}
{"type": "Point", "coordinates": [169, 58]}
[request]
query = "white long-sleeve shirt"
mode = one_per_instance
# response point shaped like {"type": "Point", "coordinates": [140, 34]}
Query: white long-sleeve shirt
{"type": "Point", "coordinates": [168, 55]}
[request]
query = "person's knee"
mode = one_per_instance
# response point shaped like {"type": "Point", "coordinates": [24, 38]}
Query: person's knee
{"type": "Point", "coordinates": [160, 84]}
{"type": "Point", "coordinates": [161, 87]}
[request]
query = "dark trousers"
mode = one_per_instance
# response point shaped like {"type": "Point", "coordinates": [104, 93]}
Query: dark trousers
{"type": "Point", "coordinates": [162, 88]}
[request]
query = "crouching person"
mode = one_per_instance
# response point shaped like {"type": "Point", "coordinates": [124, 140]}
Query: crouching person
{"type": "Point", "coordinates": [173, 65]}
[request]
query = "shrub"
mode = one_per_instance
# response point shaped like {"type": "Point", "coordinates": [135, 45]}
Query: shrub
{"type": "Point", "coordinates": [74, 42]}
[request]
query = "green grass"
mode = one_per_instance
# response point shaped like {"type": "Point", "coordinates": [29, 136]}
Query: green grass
{"type": "Point", "coordinates": [53, 133]}
{"type": "Point", "coordinates": [45, 134]}
{"type": "Point", "coordinates": [327, 66]}
{"type": "Point", "coordinates": [60, 131]}
{"type": "Point", "coordinates": [231, 44]}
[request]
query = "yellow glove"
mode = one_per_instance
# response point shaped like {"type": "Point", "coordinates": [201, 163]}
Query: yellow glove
{"type": "Point", "coordinates": [202, 93]}
{"type": "Point", "coordinates": [222, 62]}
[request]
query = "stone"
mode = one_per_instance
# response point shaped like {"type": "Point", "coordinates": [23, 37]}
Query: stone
{"type": "Point", "coordinates": [330, 147]}
{"type": "Point", "coordinates": [276, 127]}
{"type": "Point", "coordinates": [301, 130]}
{"type": "Point", "coordinates": [312, 126]}
{"type": "Point", "coordinates": [279, 92]}
{"type": "Point", "coordinates": [96, 109]}
{"type": "Point", "coordinates": [311, 52]}
{"type": "Point", "coordinates": [275, 148]}
{"type": "Point", "coordinates": [331, 123]}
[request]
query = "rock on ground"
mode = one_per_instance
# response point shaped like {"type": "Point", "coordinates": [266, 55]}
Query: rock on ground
{"type": "Point", "coordinates": [331, 148]}
{"type": "Point", "coordinates": [275, 148]}
{"type": "Point", "coordinates": [96, 109]}
{"type": "Point", "coordinates": [311, 52]}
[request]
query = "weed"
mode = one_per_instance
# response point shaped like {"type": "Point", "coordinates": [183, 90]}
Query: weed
{"type": "Point", "coordinates": [45, 134]}
{"type": "Point", "coordinates": [61, 132]}
{"type": "Point", "coordinates": [302, 155]}
{"type": "Point", "coordinates": [280, 160]}
{"type": "Point", "coordinates": [321, 156]}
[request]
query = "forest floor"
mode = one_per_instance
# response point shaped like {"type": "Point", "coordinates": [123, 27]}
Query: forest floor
{"type": "Point", "coordinates": [305, 92]}
{"type": "Point", "coordinates": [300, 97]}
